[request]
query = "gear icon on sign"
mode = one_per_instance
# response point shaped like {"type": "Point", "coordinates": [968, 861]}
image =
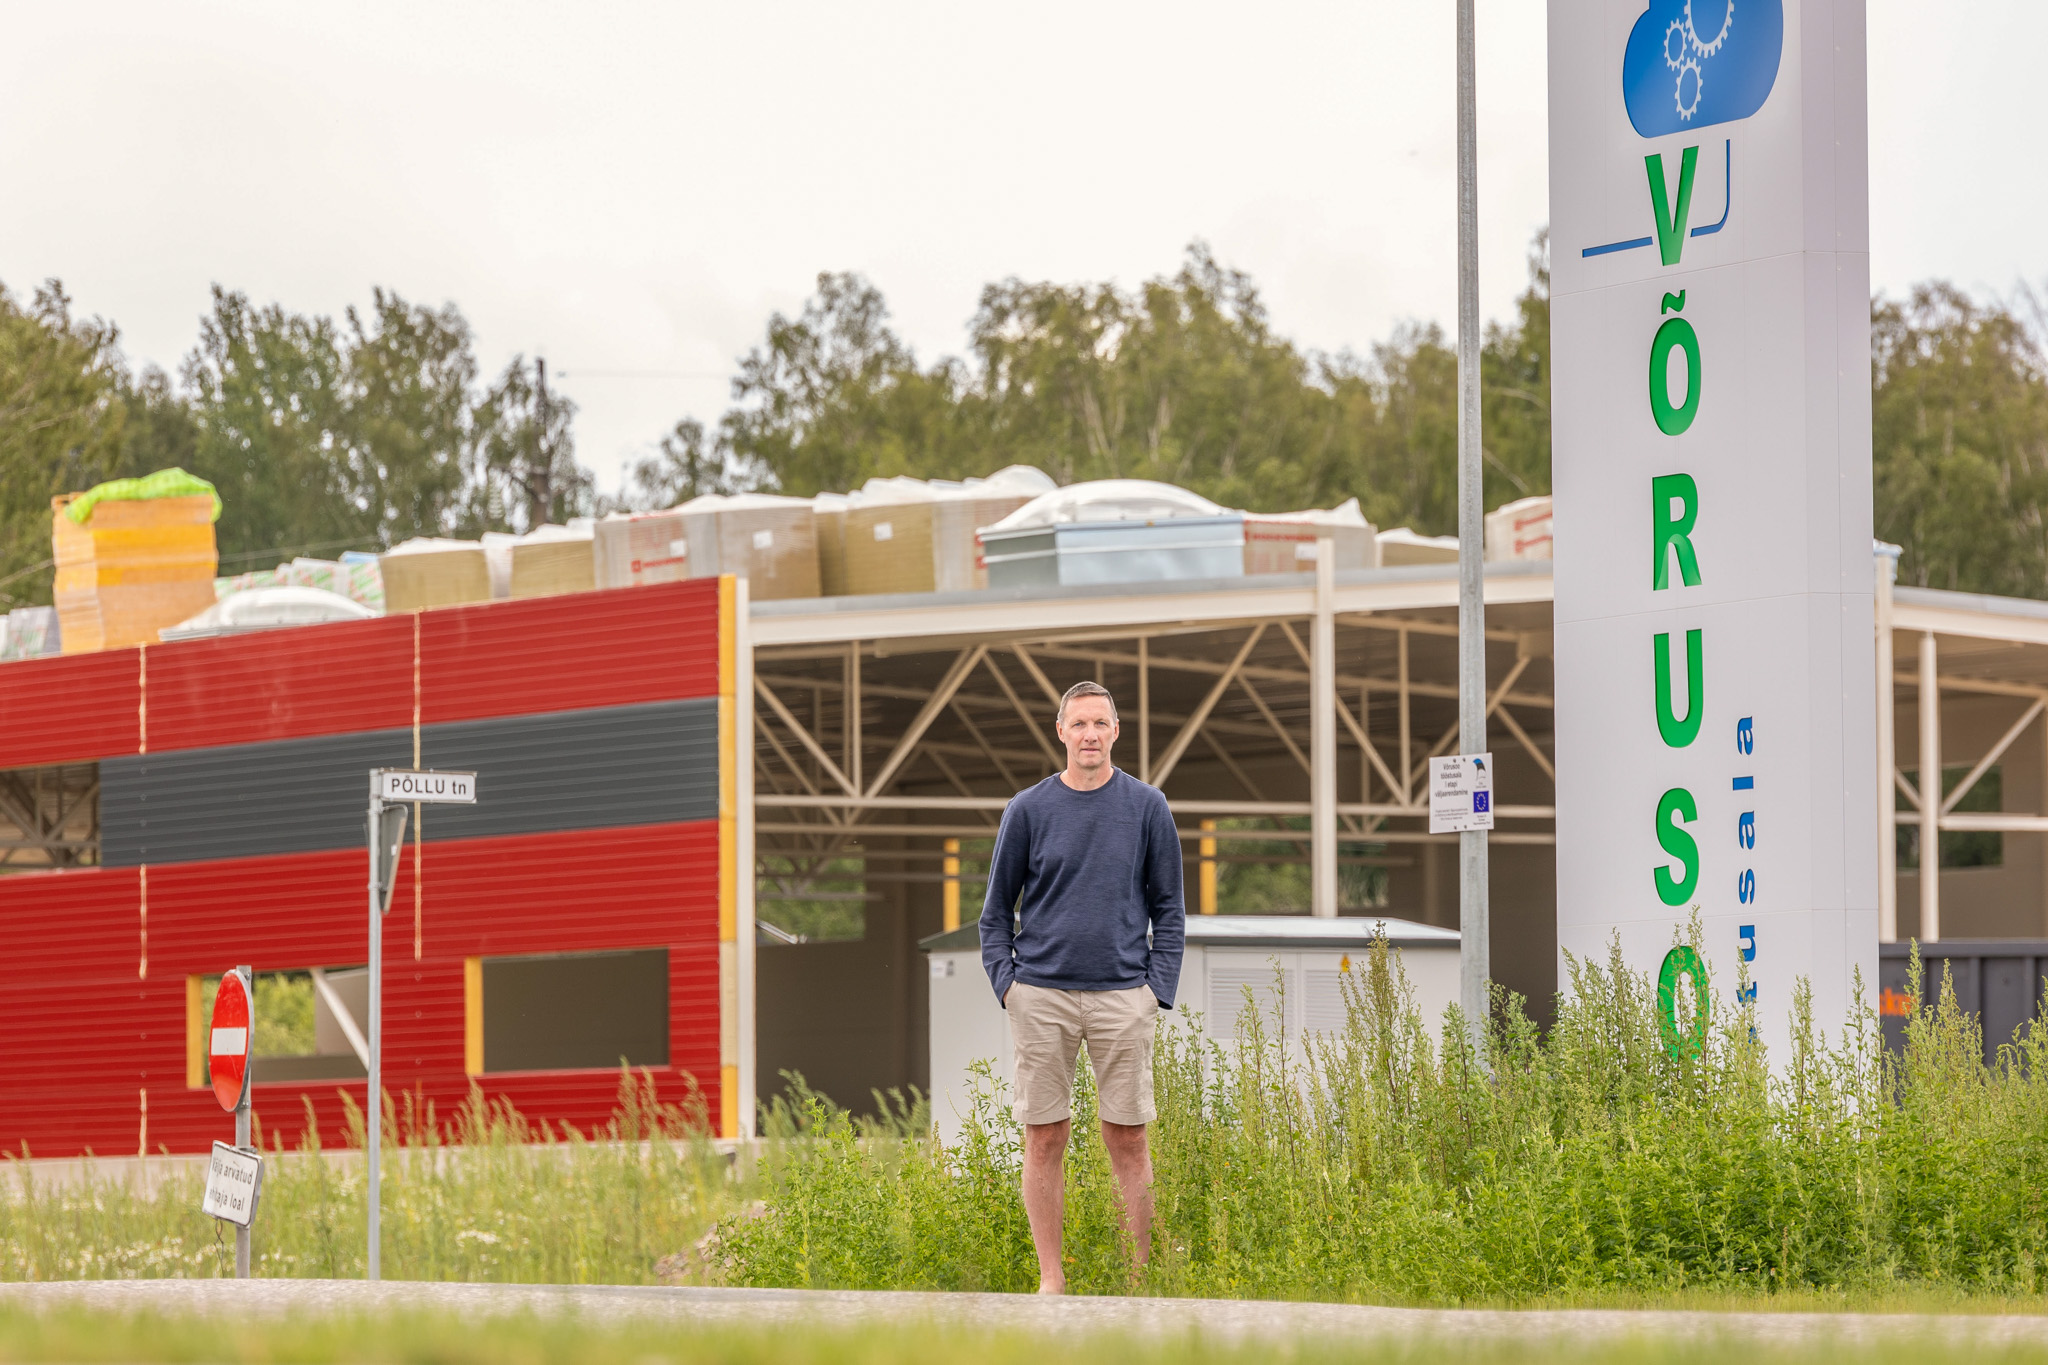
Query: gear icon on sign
{"type": "Point", "coordinates": [1677, 44]}
{"type": "Point", "coordinates": [1688, 91]}
{"type": "Point", "coordinates": [1707, 47]}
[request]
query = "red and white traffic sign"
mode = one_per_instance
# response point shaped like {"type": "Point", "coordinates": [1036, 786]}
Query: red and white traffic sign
{"type": "Point", "coordinates": [234, 1029]}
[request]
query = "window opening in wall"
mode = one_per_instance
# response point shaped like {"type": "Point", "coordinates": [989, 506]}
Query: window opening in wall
{"type": "Point", "coordinates": [571, 1011]}
{"type": "Point", "coordinates": [50, 816]}
{"type": "Point", "coordinates": [812, 898]}
{"type": "Point", "coordinates": [310, 1025]}
{"type": "Point", "coordinates": [1960, 848]}
{"type": "Point", "coordinates": [1273, 876]}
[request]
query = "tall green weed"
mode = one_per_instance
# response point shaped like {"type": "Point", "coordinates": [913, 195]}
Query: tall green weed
{"type": "Point", "coordinates": [1380, 1162]}
{"type": "Point", "coordinates": [485, 1195]}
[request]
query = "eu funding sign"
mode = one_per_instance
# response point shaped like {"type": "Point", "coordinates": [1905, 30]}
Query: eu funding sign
{"type": "Point", "coordinates": [1711, 407]}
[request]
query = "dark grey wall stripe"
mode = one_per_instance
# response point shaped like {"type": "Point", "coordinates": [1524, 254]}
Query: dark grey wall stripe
{"type": "Point", "coordinates": [242, 800]}
{"type": "Point", "coordinates": [621, 765]}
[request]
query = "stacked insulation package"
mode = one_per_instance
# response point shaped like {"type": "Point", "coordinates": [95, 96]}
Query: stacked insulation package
{"type": "Point", "coordinates": [769, 541]}
{"type": "Point", "coordinates": [1284, 542]}
{"type": "Point", "coordinates": [132, 564]}
{"type": "Point", "coordinates": [907, 535]}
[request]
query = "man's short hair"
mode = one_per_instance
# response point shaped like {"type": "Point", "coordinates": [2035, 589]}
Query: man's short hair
{"type": "Point", "coordinates": [1084, 689]}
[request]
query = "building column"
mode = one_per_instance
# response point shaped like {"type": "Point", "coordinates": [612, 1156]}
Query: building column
{"type": "Point", "coordinates": [1887, 760]}
{"type": "Point", "coordinates": [1322, 736]}
{"type": "Point", "coordinates": [1930, 793]}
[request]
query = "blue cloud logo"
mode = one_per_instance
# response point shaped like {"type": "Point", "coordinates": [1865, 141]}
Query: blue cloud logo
{"type": "Point", "coordinates": [1693, 63]}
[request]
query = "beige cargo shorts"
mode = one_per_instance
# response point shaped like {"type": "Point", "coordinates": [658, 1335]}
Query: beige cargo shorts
{"type": "Point", "coordinates": [1047, 1028]}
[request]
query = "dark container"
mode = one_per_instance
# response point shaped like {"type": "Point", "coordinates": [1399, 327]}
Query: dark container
{"type": "Point", "coordinates": [1999, 980]}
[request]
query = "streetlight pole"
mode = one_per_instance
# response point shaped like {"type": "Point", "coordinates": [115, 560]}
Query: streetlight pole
{"type": "Point", "coordinates": [1474, 958]}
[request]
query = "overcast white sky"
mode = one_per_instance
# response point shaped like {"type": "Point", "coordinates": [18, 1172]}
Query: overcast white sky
{"type": "Point", "coordinates": [635, 187]}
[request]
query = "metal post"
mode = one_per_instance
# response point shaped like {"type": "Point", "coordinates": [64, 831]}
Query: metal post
{"type": "Point", "coordinates": [1144, 708]}
{"type": "Point", "coordinates": [373, 1102]}
{"type": "Point", "coordinates": [747, 986]}
{"type": "Point", "coordinates": [1322, 736]}
{"type": "Point", "coordinates": [1887, 793]}
{"type": "Point", "coordinates": [1930, 793]}
{"type": "Point", "coordinates": [248, 975]}
{"type": "Point", "coordinates": [1474, 964]}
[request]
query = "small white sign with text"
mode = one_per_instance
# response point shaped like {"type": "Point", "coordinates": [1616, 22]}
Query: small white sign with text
{"type": "Point", "coordinates": [399, 786]}
{"type": "Point", "coordinates": [1460, 793]}
{"type": "Point", "coordinates": [234, 1179]}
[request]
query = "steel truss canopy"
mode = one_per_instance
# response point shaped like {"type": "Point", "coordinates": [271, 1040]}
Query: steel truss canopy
{"type": "Point", "coordinates": [919, 716]}
{"type": "Point", "coordinates": [915, 717]}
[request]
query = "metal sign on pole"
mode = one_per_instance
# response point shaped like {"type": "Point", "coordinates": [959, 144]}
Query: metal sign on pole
{"type": "Point", "coordinates": [1475, 966]}
{"type": "Point", "coordinates": [234, 1177]}
{"type": "Point", "coordinates": [392, 792]}
{"type": "Point", "coordinates": [1460, 793]}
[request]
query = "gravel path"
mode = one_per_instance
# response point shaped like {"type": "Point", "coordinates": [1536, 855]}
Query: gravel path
{"type": "Point", "coordinates": [1229, 1320]}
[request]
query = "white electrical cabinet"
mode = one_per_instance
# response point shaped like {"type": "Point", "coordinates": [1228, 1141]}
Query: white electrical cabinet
{"type": "Point", "coordinates": [1227, 955]}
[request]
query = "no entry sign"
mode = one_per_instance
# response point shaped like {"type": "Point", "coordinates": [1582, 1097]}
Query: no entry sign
{"type": "Point", "coordinates": [227, 1053]}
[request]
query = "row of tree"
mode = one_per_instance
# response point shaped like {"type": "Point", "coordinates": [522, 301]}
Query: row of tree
{"type": "Point", "coordinates": [323, 435]}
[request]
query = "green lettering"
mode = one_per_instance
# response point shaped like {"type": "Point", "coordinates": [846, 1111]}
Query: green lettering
{"type": "Point", "coordinates": [1671, 220]}
{"type": "Point", "coordinates": [1679, 733]}
{"type": "Point", "coordinates": [1672, 534]}
{"type": "Point", "coordinates": [1674, 807]}
{"type": "Point", "coordinates": [1678, 333]}
{"type": "Point", "coordinates": [1682, 961]}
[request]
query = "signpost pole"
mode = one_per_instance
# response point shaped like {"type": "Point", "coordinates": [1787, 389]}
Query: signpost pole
{"type": "Point", "coordinates": [242, 1128]}
{"type": "Point", "coordinates": [392, 792]}
{"type": "Point", "coordinates": [1474, 957]}
{"type": "Point", "coordinates": [373, 1102]}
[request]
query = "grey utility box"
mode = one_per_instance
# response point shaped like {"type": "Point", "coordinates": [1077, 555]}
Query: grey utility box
{"type": "Point", "coordinates": [1226, 955]}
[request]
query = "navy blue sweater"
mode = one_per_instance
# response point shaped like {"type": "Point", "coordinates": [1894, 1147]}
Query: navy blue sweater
{"type": "Point", "coordinates": [1085, 874]}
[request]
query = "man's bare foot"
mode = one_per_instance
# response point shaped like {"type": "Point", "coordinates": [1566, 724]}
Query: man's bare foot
{"type": "Point", "coordinates": [1052, 1287]}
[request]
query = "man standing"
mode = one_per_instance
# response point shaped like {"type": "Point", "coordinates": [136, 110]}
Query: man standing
{"type": "Point", "coordinates": [1085, 864]}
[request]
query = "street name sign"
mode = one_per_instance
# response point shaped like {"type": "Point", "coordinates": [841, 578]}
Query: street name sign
{"type": "Point", "coordinates": [230, 1040]}
{"type": "Point", "coordinates": [1460, 793]}
{"type": "Point", "coordinates": [393, 784]}
{"type": "Point", "coordinates": [1710, 323]}
{"type": "Point", "coordinates": [234, 1180]}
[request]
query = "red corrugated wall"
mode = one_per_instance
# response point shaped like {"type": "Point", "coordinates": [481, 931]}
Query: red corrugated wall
{"type": "Point", "coordinates": [283, 684]}
{"type": "Point", "coordinates": [69, 710]}
{"type": "Point", "coordinates": [93, 963]}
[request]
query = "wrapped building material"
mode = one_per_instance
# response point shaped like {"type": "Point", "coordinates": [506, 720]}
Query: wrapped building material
{"type": "Point", "coordinates": [639, 548]}
{"type": "Point", "coordinates": [243, 582]}
{"type": "Point", "coordinates": [1114, 531]}
{"type": "Point", "coordinates": [770, 541]}
{"type": "Point", "coordinates": [1519, 530]}
{"type": "Point", "coordinates": [1284, 542]}
{"type": "Point", "coordinates": [1402, 546]}
{"type": "Point", "coordinates": [551, 560]}
{"type": "Point", "coordinates": [269, 608]}
{"type": "Point", "coordinates": [29, 633]}
{"type": "Point", "coordinates": [431, 572]}
{"type": "Point", "coordinates": [132, 565]}
{"type": "Point", "coordinates": [909, 535]}
{"type": "Point", "coordinates": [889, 538]}
{"type": "Point", "coordinates": [828, 525]}
{"type": "Point", "coordinates": [958, 512]}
